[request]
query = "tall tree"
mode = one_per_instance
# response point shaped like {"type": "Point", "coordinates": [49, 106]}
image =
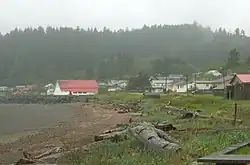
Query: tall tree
{"type": "Point", "coordinates": [237, 32]}
{"type": "Point", "coordinates": [233, 59]}
{"type": "Point", "coordinates": [39, 55]}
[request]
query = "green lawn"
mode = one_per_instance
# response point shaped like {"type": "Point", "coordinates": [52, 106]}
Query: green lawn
{"type": "Point", "coordinates": [194, 145]}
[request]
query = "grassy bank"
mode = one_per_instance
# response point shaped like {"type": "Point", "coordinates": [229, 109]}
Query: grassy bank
{"type": "Point", "coordinates": [194, 144]}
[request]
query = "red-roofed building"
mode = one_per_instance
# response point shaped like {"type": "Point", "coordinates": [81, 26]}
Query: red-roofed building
{"type": "Point", "coordinates": [76, 87]}
{"type": "Point", "coordinates": [240, 87]}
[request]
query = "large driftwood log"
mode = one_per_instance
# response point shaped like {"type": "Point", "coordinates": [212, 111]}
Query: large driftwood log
{"type": "Point", "coordinates": [160, 133]}
{"type": "Point", "coordinates": [148, 135]}
{"type": "Point", "coordinates": [165, 136]}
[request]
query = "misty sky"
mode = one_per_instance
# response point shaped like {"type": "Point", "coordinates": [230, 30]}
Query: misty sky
{"type": "Point", "coordinates": [117, 14]}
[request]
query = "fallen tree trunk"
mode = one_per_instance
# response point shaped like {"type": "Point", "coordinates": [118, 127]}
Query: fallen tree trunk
{"type": "Point", "coordinates": [116, 136]}
{"type": "Point", "coordinates": [148, 135]}
{"type": "Point", "coordinates": [30, 159]}
{"type": "Point", "coordinates": [113, 130]}
{"type": "Point", "coordinates": [185, 113]}
{"type": "Point", "coordinates": [136, 114]}
{"type": "Point", "coordinates": [47, 153]}
{"type": "Point", "coordinates": [174, 109]}
{"type": "Point", "coordinates": [165, 136]}
{"type": "Point", "coordinates": [122, 111]}
{"type": "Point", "coordinates": [190, 114]}
{"type": "Point", "coordinates": [164, 126]}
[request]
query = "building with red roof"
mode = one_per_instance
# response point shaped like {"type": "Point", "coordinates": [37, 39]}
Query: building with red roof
{"type": "Point", "coordinates": [76, 87]}
{"type": "Point", "coordinates": [240, 87]}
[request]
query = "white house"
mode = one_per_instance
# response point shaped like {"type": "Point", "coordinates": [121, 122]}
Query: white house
{"type": "Point", "coordinates": [182, 88]}
{"type": "Point", "coordinates": [118, 83]}
{"type": "Point", "coordinates": [4, 88]}
{"type": "Point", "coordinates": [160, 85]}
{"type": "Point", "coordinates": [213, 72]}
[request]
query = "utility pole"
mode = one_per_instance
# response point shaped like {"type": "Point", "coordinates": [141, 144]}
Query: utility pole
{"type": "Point", "coordinates": [166, 84]}
{"type": "Point", "coordinates": [187, 84]}
{"type": "Point", "coordinates": [224, 82]}
{"type": "Point", "coordinates": [195, 82]}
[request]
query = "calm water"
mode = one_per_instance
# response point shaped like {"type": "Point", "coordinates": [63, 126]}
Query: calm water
{"type": "Point", "coordinates": [19, 118]}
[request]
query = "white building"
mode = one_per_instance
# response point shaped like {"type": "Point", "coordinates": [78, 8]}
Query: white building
{"type": "Point", "coordinates": [76, 87]}
{"type": "Point", "coordinates": [182, 88]}
{"type": "Point", "coordinates": [160, 85]}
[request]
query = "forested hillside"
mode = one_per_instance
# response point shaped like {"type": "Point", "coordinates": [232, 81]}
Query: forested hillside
{"type": "Point", "coordinates": [40, 55]}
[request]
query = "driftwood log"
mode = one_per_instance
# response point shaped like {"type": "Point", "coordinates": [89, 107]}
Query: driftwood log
{"type": "Point", "coordinates": [155, 139]}
{"type": "Point", "coordinates": [28, 158]}
{"type": "Point", "coordinates": [152, 95]}
{"type": "Point", "coordinates": [130, 106]}
{"type": "Point", "coordinates": [185, 113]}
{"type": "Point", "coordinates": [196, 113]}
{"type": "Point", "coordinates": [116, 134]}
{"type": "Point", "coordinates": [164, 126]}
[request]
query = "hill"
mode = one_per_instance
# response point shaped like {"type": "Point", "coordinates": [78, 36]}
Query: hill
{"type": "Point", "coordinates": [40, 55]}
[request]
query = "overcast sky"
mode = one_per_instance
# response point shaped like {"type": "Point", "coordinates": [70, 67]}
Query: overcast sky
{"type": "Point", "coordinates": [117, 14]}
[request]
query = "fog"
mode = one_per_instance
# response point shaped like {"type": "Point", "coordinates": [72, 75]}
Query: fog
{"type": "Point", "coordinates": [116, 14]}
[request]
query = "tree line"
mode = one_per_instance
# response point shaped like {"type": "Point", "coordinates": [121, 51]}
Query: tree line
{"type": "Point", "coordinates": [41, 55]}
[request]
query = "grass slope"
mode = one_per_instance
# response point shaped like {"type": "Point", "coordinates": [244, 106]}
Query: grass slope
{"type": "Point", "coordinates": [194, 144]}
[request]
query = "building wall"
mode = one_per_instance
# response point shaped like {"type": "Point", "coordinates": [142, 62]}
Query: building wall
{"type": "Point", "coordinates": [240, 91]}
{"type": "Point", "coordinates": [58, 91]}
{"type": "Point", "coordinates": [181, 88]}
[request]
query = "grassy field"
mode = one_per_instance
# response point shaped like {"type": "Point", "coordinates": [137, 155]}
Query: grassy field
{"type": "Point", "coordinates": [194, 144]}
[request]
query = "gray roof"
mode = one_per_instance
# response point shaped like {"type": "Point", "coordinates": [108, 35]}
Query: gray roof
{"type": "Point", "coordinates": [220, 86]}
{"type": "Point", "coordinates": [227, 78]}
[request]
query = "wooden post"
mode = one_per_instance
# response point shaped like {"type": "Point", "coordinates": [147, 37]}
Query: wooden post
{"type": "Point", "coordinates": [235, 113]}
{"type": "Point", "coordinates": [224, 86]}
{"type": "Point", "coordinates": [231, 163]}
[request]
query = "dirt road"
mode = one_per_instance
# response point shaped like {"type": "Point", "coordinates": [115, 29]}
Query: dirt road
{"type": "Point", "coordinates": [77, 127]}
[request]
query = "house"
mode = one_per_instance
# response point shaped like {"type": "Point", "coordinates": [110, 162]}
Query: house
{"type": "Point", "coordinates": [160, 85]}
{"type": "Point", "coordinates": [181, 87]}
{"type": "Point", "coordinates": [175, 77]}
{"type": "Point", "coordinates": [118, 83]}
{"type": "Point", "coordinates": [114, 89]}
{"type": "Point", "coordinates": [219, 83]}
{"type": "Point", "coordinates": [239, 88]}
{"type": "Point", "coordinates": [76, 87]}
{"type": "Point", "coordinates": [32, 87]}
{"type": "Point", "coordinates": [50, 88]}
{"type": "Point", "coordinates": [213, 73]}
{"type": "Point", "coordinates": [3, 88]}
{"type": "Point", "coordinates": [20, 87]}
{"type": "Point", "coordinates": [220, 87]}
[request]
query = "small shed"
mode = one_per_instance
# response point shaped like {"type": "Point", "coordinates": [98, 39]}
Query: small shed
{"type": "Point", "coordinates": [240, 87]}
